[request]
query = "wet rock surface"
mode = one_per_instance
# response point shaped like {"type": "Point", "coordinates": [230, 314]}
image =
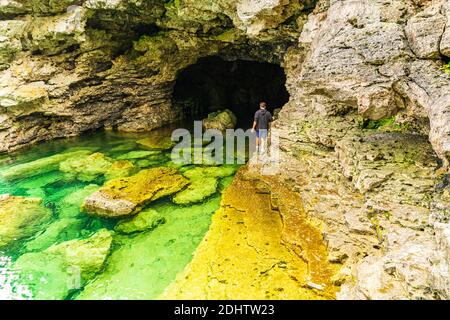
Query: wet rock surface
{"type": "Point", "coordinates": [256, 251]}
{"type": "Point", "coordinates": [20, 217]}
{"type": "Point", "coordinates": [125, 196]}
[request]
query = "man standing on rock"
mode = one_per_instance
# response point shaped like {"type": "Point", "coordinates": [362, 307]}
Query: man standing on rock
{"type": "Point", "coordinates": [261, 126]}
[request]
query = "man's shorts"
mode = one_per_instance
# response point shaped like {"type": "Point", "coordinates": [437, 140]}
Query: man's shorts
{"type": "Point", "coordinates": [262, 133]}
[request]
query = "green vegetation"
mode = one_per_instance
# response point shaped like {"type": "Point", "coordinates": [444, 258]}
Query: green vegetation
{"type": "Point", "coordinates": [386, 125]}
{"type": "Point", "coordinates": [446, 68]}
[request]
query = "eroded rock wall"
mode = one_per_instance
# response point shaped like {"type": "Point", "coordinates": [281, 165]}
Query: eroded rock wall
{"type": "Point", "coordinates": [365, 141]}
{"type": "Point", "coordinates": [72, 66]}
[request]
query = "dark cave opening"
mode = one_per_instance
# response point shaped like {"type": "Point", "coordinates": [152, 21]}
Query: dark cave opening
{"type": "Point", "coordinates": [214, 84]}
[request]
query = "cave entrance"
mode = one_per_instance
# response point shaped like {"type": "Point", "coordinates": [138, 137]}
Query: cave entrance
{"type": "Point", "coordinates": [213, 84]}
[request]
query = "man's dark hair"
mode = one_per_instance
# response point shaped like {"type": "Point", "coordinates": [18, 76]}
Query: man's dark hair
{"type": "Point", "coordinates": [263, 105]}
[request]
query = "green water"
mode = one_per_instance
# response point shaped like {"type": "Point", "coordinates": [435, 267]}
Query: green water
{"type": "Point", "coordinates": [137, 265]}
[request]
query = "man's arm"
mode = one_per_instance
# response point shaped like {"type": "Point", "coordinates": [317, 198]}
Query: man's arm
{"type": "Point", "coordinates": [254, 125]}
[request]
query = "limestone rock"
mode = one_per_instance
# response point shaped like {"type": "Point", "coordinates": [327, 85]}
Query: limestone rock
{"type": "Point", "coordinates": [424, 32]}
{"type": "Point", "coordinates": [120, 168]}
{"type": "Point", "coordinates": [40, 166]}
{"type": "Point", "coordinates": [21, 217]}
{"type": "Point", "coordinates": [51, 35]}
{"type": "Point", "coordinates": [445, 41]}
{"type": "Point", "coordinates": [126, 196]}
{"type": "Point", "coordinates": [64, 267]}
{"type": "Point", "coordinates": [204, 183]}
{"type": "Point", "coordinates": [197, 191]}
{"type": "Point", "coordinates": [138, 155]}
{"type": "Point", "coordinates": [70, 205]}
{"type": "Point", "coordinates": [66, 228]}
{"type": "Point", "coordinates": [86, 168]}
{"type": "Point", "coordinates": [145, 220]}
{"type": "Point", "coordinates": [220, 120]}
{"type": "Point", "coordinates": [166, 251]}
{"type": "Point", "coordinates": [24, 99]}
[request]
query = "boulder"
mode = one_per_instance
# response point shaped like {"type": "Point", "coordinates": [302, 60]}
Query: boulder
{"type": "Point", "coordinates": [424, 32]}
{"type": "Point", "coordinates": [220, 120]}
{"type": "Point", "coordinates": [64, 267]}
{"type": "Point", "coordinates": [21, 217]}
{"type": "Point", "coordinates": [145, 220]}
{"type": "Point", "coordinates": [126, 196]}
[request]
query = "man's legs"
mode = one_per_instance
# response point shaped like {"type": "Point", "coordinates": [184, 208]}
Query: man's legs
{"type": "Point", "coordinates": [262, 141]}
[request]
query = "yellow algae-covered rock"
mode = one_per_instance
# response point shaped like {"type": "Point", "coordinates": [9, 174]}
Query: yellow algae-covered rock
{"type": "Point", "coordinates": [246, 253]}
{"type": "Point", "coordinates": [121, 168]}
{"type": "Point", "coordinates": [126, 196]}
{"type": "Point", "coordinates": [21, 217]}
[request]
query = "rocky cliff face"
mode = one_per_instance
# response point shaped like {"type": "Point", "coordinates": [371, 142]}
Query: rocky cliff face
{"type": "Point", "coordinates": [365, 137]}
{"type": "Point", "coordinates": [367, 89]}
{"type": "Point", "coordinates": [72, 66]}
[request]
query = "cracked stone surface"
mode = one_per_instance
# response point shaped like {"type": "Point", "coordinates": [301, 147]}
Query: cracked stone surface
{"type": "Point", "coordinates": [255, 252]}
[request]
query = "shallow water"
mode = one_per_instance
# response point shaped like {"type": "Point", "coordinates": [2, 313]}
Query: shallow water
{"type": "Point", "coordinates": [139, 265]}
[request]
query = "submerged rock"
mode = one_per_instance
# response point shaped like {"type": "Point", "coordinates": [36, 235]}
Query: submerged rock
{"type": "Point", "coordinates": [145, 220]}
{"type": "Point", "coordinates": [90, 167]}
{"type": "Point", "coordinates": [21, 217]}
{"type": "Point", "coordinates": [220, 120]}
{"type": "Point", "coordinates": [66, 228]}
{"type": "Point", "coordinates": [126, 196]}
{"type": "Point", "coordinates": [204, 183]}
{"type": "Point", "coordinates": [86, 168]}
{"type": "Point", "coordinates": [64, 267]}
{"type": "Point", "coordinates": [121, 168]}
{"type": "Point", "coordinates": [197, 191]}
{"type": "Point", "coordinates": [144, 264]}
{"type": "Point", "coordinates": [158, 139]}
{"type": "Point", "coordinates": [70, 205]}
{"type": "Point", "coordinates": [138, 155]}
{"type": "Point", "coordinates": [40, 166]}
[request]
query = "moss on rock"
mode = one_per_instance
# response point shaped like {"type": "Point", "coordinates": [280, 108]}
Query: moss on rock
{"type": "Point", "coordinates": [220, 120]}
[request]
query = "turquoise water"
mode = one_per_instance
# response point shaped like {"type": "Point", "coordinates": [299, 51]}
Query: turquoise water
{"type": "Point", "coordinates": [60, 252]}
